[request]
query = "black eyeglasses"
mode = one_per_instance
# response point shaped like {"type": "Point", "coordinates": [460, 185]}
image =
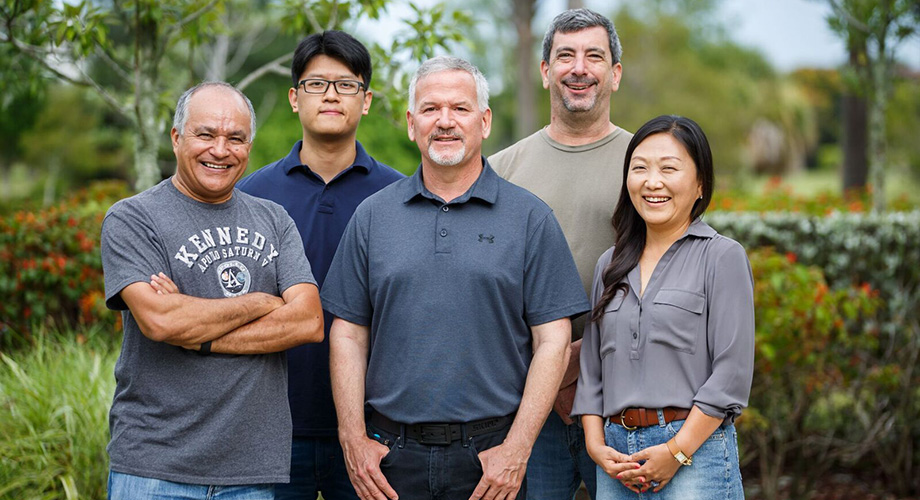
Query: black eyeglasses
{"type": "Point", "coordinates": [320, 86]}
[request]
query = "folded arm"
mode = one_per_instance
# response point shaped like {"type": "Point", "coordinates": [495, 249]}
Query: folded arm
{"type": "Point", "coordinates": [298, 321]}
{"type": "Point", "coordinates": [184, 320]}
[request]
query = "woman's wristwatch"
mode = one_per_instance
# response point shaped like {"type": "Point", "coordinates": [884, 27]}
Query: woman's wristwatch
{"type": "Point", "coordinates": [678, 454]}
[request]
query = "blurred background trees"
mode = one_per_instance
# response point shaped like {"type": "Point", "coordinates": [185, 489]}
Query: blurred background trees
{"type": "Point", "coordinates": [113, 70]}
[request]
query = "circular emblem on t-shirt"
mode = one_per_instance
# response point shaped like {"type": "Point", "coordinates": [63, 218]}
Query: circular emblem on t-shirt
{"type": "Point", "coordinates": [234, 278]}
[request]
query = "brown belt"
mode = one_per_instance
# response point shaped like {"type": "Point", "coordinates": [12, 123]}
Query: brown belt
{"type": "Point", "coordinates": [632, 418]}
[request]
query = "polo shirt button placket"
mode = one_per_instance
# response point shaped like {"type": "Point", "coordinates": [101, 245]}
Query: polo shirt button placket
{"type": "Point", "coordinates": [442, 245]}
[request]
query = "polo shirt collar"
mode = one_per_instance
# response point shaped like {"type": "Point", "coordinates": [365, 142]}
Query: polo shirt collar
{"type": "Point", "coordinates": [485, 188]}
{"type": "Point", "coordinates": [363, 160]}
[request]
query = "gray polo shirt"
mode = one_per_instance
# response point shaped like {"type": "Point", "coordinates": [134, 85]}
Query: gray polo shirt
{"type": "Point", "coordinates": [450, 291]}
{"type": "Point", "coordinates": [689, 340]}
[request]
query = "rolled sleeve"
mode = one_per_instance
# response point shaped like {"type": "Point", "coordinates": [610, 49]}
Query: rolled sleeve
{"type": "Point", "coordinates": [589, 393]}
{"type": "Point", "coordinates": [730, 335]}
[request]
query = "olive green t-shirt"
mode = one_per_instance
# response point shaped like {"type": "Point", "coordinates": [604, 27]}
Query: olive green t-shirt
{"type": "Point", "coordinates": [580, 183]}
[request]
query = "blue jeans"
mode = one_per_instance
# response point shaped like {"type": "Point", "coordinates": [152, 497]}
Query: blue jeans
{"type": "Point", "coordinates": [130, 487]}
{"type": "Point", "coordinates": [317, 466]}
{"type": "Point", "coordinates": [435, 472]}
{"type": "Point", "coordinates": [559, 462]}
{"type": "Point", "coordinates": [714, 475]}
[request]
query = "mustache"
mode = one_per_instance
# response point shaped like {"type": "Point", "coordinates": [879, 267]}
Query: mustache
{"type": "Point", "coordinates": [579, 80]}
{"type": "Point", "coordinates": [445, 132]}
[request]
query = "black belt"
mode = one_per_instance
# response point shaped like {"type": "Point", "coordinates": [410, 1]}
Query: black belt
{"type": "Point", "coordinates": [442, 434]}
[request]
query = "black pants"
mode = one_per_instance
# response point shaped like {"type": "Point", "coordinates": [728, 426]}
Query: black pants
{"type": "Point", "coordinates": [435, 472]}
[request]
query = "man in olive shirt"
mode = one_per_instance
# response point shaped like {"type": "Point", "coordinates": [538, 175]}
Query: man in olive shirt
{"type": "Point", "coordinates": [575, 166]}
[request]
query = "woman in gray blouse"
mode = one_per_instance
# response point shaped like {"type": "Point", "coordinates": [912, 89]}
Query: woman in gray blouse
{"type": "Point", "coordinates": [668, 356]}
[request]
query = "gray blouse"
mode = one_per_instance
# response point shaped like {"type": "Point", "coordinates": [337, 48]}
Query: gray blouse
{"type": "Point", "coordinates": [689, 340]}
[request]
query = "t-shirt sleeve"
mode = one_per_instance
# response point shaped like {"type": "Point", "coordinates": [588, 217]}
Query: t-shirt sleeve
{"type": "Point", "coordinates": [131, 251]}
{"type": "Point", "coordinates": [346, 293]}
{"type": "Point", "coordinates": [552, 286]}
{"type": "Point", "coordinates": [730, 334]}
{"type": "Point", "coordinates": [293, 266]}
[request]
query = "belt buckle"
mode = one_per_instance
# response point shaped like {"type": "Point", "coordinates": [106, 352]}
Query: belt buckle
{"type": "Point", "coordinates": [438, 434]}
{"type": "Point", "coordinates": [623, 421]}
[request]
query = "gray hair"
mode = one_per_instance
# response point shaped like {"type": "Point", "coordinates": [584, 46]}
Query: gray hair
{"type": "Point", "coordinates": [449, 63]}
{"type": "Point", "coordinates": [181, 116]}
{"type": "Point", "coordinates": [576, 20]}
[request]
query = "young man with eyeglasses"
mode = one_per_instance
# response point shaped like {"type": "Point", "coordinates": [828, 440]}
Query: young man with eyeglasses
{"type": "Point", "coordinates": [320, 182]}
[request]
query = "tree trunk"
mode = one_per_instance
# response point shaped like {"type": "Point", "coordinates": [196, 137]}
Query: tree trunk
{"type": "Point", "coordinates": [146, 114]}
{"type": "Point", "coordinates": [878, 106]}
{"type": "Point", "coordinates": [526, 85]}
{"type": "Point", "coordinates": [855, 124]}
{"type": "Point", "coordinates": [855, 141]}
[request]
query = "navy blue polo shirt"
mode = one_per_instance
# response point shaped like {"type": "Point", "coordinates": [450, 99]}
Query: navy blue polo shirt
{"type": "Point", "coordinates": [321, 211]}
{"type": "Point", "coordinates": [450, 291]}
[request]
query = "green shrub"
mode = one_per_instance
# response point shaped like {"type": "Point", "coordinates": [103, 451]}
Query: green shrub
{"type": "Point", "coordinates": [871, 417]}
{"type": "Point", "coordinates": [811, 342]}
{"type": "Point", "coordinates": [50, 269]}
{"type": "Point", "coordinates": [54, 402]}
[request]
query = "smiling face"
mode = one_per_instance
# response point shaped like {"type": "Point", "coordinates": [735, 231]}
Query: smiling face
{"type": "Point", "coordinates": [580, 74]}
{"type": "Point", "coordinates": [213, 149]}
{"type": "Point", "coordinates": [329, 115]}
{"type": "Point", "coordinates": [446, 123]}
{"type": "Point", "coordinates": [662, 183]}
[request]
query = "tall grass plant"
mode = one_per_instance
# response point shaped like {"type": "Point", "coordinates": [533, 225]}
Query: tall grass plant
{"type": "Point", "coordinates": [54, 401]}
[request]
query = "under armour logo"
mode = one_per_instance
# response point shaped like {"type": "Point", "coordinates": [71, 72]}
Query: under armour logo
{"type": "Point", "coordinates": [490, 238]}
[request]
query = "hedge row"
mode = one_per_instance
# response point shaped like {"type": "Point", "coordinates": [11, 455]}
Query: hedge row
{"type": "Point", "coordinates": [846, 391]}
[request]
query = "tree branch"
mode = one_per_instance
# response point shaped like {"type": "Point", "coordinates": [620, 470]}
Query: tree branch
{"type": "Point", "coordinates": [847, 16]}
{"type": "Point", "coordinates": [39, 55]}
{"type": "Point", "coordinates": [115, 65]}
{"type": "Point", "coordinates": [190, 19]}
{"type": "Point", "coordinates": [179, 26]}
{"type": "Point", "coordinates": [333, 15]}
{"type": "Point", "coordinates": [314, 22]}
{"type": "Point", "coordinates": [271, 67]}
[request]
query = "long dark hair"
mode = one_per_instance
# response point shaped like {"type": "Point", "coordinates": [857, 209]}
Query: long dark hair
{"type": "Point", "coordinates": [629, 226]}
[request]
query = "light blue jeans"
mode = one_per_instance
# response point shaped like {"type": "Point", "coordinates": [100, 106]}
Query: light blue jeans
{"type": "Point", "coordinates": [714, 475]}
{"type": "Point", "coordinates": [130, 487]}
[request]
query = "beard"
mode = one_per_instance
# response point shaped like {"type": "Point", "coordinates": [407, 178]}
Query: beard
{"type": "Point", "coordinates": [580, 103]}
{"type": "Point", "coordinates": [446, 159]}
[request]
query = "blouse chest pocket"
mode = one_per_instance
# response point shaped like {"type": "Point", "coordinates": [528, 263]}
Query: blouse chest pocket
{"type": "Point", "coordinates": [608, 325]}
{"type": "Point", "coordinates": [677, 319]}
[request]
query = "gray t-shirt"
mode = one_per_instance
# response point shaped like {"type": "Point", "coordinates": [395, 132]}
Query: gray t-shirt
{"type": "Point", "coordinates": [176, 415]}
{"type": "Point", "coordinates": [450, 291]}
{"type": "Point", "coordinates": [689, 340]}
{"type": "Point", "coordinates": [580, 183]}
